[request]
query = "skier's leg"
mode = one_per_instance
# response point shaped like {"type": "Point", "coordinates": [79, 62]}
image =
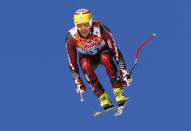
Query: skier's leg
{"type": "Point", "coordinates": [107, 61]}
{"type": "Point", "coordinates": [86, 63]}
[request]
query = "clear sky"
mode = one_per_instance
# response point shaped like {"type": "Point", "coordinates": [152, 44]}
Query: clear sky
{"type": "Point", "coordinates": [37, 91]}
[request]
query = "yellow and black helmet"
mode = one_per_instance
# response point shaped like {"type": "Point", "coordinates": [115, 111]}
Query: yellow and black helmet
{"type": "Point", "coordinates": [82, 16]}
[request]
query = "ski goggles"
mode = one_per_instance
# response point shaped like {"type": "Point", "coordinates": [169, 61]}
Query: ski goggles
{"type": "Point", "coordinates": [82, 25]}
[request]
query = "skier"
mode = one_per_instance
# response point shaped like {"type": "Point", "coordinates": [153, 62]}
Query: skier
{"type": "Point", "coordinates": [96, 45]}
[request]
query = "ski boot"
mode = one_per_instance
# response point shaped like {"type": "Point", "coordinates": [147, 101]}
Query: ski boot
{"type": "Point", "coordinates": [105, 102]}
{"type": "Point", "coordinates": [119, 96]}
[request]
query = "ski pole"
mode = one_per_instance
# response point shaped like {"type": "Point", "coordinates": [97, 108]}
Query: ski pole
{"type": "Point", "coordinates": [138, 52]}
{"type": "Point", "coordinates": [81, 97]}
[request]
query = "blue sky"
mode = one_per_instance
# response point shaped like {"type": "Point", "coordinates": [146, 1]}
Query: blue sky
{"type": "Point", "coordinates": [37, 92]}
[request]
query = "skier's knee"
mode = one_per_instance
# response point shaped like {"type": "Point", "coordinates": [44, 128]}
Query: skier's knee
{"type": "Point", "coordinates": [98, 90]}
{"type": "Point", "coordinates": [116, 82]}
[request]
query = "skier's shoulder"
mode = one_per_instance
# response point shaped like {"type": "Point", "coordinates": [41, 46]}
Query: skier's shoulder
{"type": "Point", "coordinates": [96, 23]}
{"type": "Point", "coordinates": [73, 31]}
{"type": "Point", "coordinates": [71, 35]}
{"type": "Point", "coordinates": [102, 26]}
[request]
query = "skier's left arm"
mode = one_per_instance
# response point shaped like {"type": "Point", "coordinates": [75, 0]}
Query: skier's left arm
{"type": "Point", "coordinates": [110, 43]}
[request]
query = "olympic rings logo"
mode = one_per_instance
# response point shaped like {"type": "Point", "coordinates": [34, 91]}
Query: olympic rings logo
{"type": "Point", "coordinates": [89, 43]}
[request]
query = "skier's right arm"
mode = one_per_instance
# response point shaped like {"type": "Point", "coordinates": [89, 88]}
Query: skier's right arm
{"type": "Point", "coordinates": [72, 60]}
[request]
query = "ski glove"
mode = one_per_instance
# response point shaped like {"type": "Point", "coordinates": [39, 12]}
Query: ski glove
{"type": "Point", "coordinates": [80, 86]}
{"type": "Point", "coordinates": [126, 77]}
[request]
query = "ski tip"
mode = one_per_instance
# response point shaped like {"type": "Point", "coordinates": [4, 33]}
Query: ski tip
{"type": "Point", "coordinates": [154, 34]}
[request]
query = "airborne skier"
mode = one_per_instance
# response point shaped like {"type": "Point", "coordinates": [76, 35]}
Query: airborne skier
{"type": "Point", "coordinates": [96, 45]}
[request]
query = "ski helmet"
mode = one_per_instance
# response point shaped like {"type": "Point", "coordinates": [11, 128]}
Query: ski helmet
{"type": "Point", "coordinates": [82, 16]}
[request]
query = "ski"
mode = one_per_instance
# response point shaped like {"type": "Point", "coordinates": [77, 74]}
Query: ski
{"type": "Point", "coordinates": [121, 108]}
{"type": "Point", "coordinates": [104, 111]}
